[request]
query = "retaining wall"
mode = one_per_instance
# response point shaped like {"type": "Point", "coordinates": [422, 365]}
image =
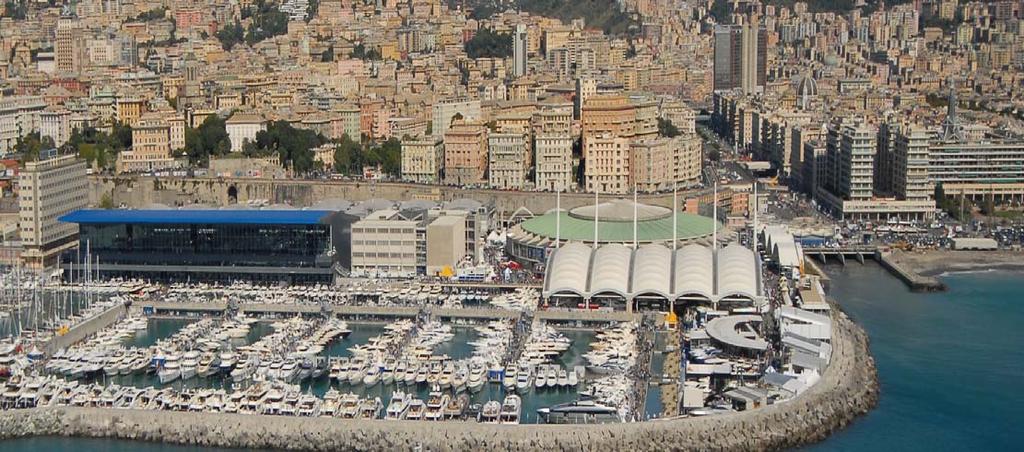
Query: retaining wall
{"type": "Point", "coordinates": [848, 389]}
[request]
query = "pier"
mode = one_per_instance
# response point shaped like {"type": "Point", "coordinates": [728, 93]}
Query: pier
{"type": "Point", "coordinates": [86, 328]}
{"type": "Point", "coordinates": [916, 282]}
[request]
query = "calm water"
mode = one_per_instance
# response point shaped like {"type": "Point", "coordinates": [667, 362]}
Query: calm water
{"type": "Point", "coordinates": [950, 366]}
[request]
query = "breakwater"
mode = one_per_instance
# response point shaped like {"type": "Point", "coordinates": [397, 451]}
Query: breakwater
{"type": "Point", "coordinates": [847, 389]}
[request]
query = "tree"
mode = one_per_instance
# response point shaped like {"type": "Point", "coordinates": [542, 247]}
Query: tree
{"type": "Point", "coordinates": [209, 139]}
{"type": "Point", "coordinates": [106, 202]}
{"type": "Point", "coordinates": [359, 51]}
{"type": "Point", "coordinates": [328, 54]}
{"type": "Point", "coordinates": [388, 156]}
{"type": "Point", "coordinates": [231, 35]}
{"type": "Point", "coordinates": [311, 10]}
{"type": "Point", "coordinates": [487, 43]}
{"type": "Point", "coordinates": [667, 129]}
{"type": "Point", "coordinates": [294, 146]}
{"type": "Point", "coordinates": [31, 145]}
{"type": "Point", "coordinates": [347, 158]}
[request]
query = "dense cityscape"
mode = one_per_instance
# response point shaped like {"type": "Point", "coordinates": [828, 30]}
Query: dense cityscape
{"type": "Point", "coordinates": [365, 225]}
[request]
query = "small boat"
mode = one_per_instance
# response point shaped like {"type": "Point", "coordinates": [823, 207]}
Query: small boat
{"type": "Point", "coordinates": [372, 375]}
{"type": "Point", "coordinates": [509, 381]}
{"type": "Point", "coordinates": [399, 403]}
{"type": "Point", "coordinates": [477, 378]}
{"type": "Point", "coordinates": [456, 406]}
{"type": "Point", "coordinates": [348, 407]}
{"type": "Point", "coordinates": [370, 408]}
{"type": "Point", "coordinates": [523, 379]}
{"type": "Point", "coordinates": [415, 411]}
{"type": "Point", "coordinates": [490, 413]}
{"type": "Point", "coordinates": [170, 371]}
{"type": "Point", "coordinates": [511, 409]}
{"type": "Point", "coordinates": [436, 403]}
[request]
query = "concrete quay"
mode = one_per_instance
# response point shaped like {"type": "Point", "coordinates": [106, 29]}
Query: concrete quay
{"type": "Point", "coordinates": [916, 282]}
{"type": "Point", "coordinates": [345, 311]}
{"type": "Point", "coordinates": [847, 389]}
{"type": "Point", "coordinates": [87, 328]}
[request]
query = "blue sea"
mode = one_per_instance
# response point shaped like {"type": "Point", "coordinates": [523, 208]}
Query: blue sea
{"type": "Point", "coordinates": [951, 367]}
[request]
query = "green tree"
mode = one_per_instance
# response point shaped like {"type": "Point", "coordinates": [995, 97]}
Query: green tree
{"type": "Point", "coordinates": [328, 55]}
{"type": "Point", "coordinates": [347, 156]}
{"type": "Point", "coordinates": [487, 43]}
{"type": "Point", "coordinates": [667, 129]}
{"type": "Point", "coordinates": [388, 156]}
{"type": "Point", "coordinates": [209, 139]}
{"type": "Point", "coordinates": [294, 146]}
{"type": "Point", "coordinates": [231, 35]}
{"type": "Point", "coordinates": [106, 202]}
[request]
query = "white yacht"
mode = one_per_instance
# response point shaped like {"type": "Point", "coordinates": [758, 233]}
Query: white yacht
{"type": "Point", "coordinates": [170, 371]}
{"type": "Point", "coordinates": [511, 409]}
{"type": "Point", "coordinates": [399, 403]}
{"type": "Point", "coordinates": [189, 364]}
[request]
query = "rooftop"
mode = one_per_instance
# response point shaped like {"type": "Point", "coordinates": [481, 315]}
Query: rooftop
{"type": "Point", "coordinates": [195, 216]}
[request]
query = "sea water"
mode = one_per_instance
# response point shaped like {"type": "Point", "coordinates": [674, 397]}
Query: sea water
{"type": "Point", "coordinates": [950, 365]}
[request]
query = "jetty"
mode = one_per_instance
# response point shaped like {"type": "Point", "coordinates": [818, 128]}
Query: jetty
{"type": "Point", "coordinates": [915, 281]}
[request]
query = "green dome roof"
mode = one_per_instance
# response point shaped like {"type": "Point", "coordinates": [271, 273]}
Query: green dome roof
{"type": "Point", "coordinates": [653, 229]}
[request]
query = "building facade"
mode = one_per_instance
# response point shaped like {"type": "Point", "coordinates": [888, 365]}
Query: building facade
{"type": "Point", "coordinates": [423, 160]}
{"type": "Point", "coordinates": [49, 189]}
{"type": "Point", "coordinates": [508, 157]}
{"type": "Point", "coordinates": [465, 154]}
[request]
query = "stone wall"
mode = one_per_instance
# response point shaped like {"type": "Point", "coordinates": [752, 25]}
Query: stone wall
{"type": "Point", "coordinates": [138, 191]}
{"type": "Point", "coordinates": [848, 389]}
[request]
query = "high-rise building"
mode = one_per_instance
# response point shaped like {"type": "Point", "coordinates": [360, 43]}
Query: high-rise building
{"type": "Point", "coordinates": [741, 57]}
{"type": "Point", "coordinates": [519, 51]}
{"type": "Point", "coordinates": [48, 189]}
{"type": "Point", "coordinates": [69, 46]}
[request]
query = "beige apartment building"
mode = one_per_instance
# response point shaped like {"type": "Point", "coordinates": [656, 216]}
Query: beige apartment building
{"type": "Point", "coordinates": [151, 147]}
{"type": "Point", "coordinates": [554, 166]}
{"type": "Point", "coordinates": [607, 167]}
{"type": "Point", "coordinates": [663, 163]}
{"type": "Point", "coordinates": [423, 160]}
{"type": "Point", "coordinates": [465, 153]}
{"type": "Point", "coordinates": [508, 156]}
{"type": "Point", "coordinates": [48, 189]}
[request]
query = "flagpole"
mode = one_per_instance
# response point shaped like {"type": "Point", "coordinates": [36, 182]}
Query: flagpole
{"type": "Point", "coordinates": [714, 218]}
{"type": "Point", "coordinates": [635, 214]}
{"type": "Point", "coordinates": [675, 215]}
{"type": "Point", "coordinates": [558, 218]}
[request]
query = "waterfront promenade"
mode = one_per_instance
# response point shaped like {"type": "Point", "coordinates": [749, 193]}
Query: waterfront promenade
{"type": "Point", "coordinates": [847, 389]}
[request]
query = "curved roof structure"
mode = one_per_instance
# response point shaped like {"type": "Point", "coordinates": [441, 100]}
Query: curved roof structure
{"type": "Point", "coordinates": [652, 269]}
{"type": "Point", "coordinates": [736, 272]}
{"type": "Point", "coordinates": [726, 330]}
{"type": "Point", "coordinates": [620, 210]}
{"type": "Point", "coordinates": [694, 271]}
{"type": "Point", "coordinates": [610, 272]}
{"type": "Point", "coordinates": [570, 266]}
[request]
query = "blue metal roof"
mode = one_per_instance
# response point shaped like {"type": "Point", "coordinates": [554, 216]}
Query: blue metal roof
{"type": "Point", "coordinates": [187, 216]}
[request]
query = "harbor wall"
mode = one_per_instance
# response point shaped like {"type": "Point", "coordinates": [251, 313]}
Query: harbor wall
{"type": "Point", "coordinates": [86, 328]}
{"type": "Point", "coordinates": [848, 388]}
